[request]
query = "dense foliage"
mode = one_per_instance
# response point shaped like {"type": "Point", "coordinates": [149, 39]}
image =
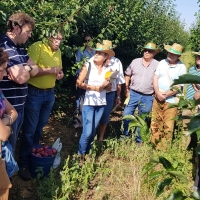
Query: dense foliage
{"type": "Point", "coordinates": [128, 23]}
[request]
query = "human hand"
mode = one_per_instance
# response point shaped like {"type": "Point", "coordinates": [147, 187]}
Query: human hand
{"type": "Point", "coordinates": [161, 96]}
{"type": "Point", "coordinates": [60, 75]}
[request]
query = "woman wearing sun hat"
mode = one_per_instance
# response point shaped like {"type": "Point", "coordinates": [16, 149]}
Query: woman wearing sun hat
{"type": "Point", "coordinates": [171, 68]}
{"type": "Point", "coordinates": [92, 79]}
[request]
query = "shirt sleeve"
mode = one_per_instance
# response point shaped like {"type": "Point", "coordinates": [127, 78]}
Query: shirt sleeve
{"type": "Point", "coordinates": [78, 56]}
{"type": "Point", "coordinates": [120, 77]}
{"type": "Point", "coordinates": [34, 51]}
{"type": "Point", "coordinates": [128, 71]}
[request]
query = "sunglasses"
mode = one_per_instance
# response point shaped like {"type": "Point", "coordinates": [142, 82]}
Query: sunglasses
{"type": "Point", "coordinates": [87, 40]}
{"type": "Point", "coordinates": [149, 50]}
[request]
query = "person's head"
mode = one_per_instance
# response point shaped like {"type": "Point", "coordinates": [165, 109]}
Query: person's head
{"type": "Point", "coordinates": [174, 52]}
{"type": "Point", "coordinates": [197, 57]}
{"type": "Point", "coordinates": [3, 63]}
{"type": "Point", "coordinates": [103, 52]}
{"type": "Point", "coordinates": [150, 50]}
{"type": "Point", "coordinates": [55, 41]}
{"type": "Point", "coordinates": [19, 27]}
{"type": "Point", "coordinates": [87, 39]}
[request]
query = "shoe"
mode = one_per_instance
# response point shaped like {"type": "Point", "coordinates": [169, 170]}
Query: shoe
{"type": "Point", "coordinates": [24, 173]}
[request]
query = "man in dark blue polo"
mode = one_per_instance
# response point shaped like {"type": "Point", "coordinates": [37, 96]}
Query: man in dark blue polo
{"type": "Point", "coordinates": [20, 67]}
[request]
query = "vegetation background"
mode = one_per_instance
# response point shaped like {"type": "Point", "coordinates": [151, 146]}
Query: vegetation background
{"type": "Point", "coordinates": [112, 173]}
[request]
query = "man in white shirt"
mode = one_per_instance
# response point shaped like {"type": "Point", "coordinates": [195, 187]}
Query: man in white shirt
{"type": "Point", "coordinates": [171, 68]}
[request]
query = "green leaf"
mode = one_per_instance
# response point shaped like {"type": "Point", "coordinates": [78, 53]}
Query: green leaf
{"type": "Point", "coordinates": [129, 117]}
{"type": "Point", "coordinates": [179, 175]}
{"type": "Point", "coordinates": [155, 174]}
{"type": "Point", "coordinates": [187, 78]}
{"type": "Point", "coordinates": [147, 168]}
{"type": "Point", "coordinates": [194, 125]}
{"type": "Point", "coordinates": [154, 159]}
{"type": "Point", "coordinates": [166, 163]}
{"type": "Point", "coordinates": [161, 186]}
{"type": "Point", "coordinates": [176, 195]}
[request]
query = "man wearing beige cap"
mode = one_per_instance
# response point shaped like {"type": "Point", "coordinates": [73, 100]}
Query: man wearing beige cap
{"type": "Point", "coordinates": [138, 79]}
{"type": "Point", "coordinates": [171, 68]}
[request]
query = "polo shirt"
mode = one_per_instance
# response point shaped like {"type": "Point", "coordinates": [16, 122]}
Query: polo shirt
{"type": "Point", "coordinates": [167, 74]}
{"type": "Point", "coordinates": [14, 92]}
{"type": "Point", "coordinates": [41, 53]}
{"type": "Point", "coordinates": [190, 90]}
{"type": "Point", "coordinates": [141, 76]}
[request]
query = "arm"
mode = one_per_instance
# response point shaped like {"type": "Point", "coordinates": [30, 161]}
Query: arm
{"type": "Point", "coordinates": [195, 88]}
{"type": "Point", "coordinates": [10, 114]}
{"type": "Point", "coordinates": [80, 82]}
{"type": "Point", "coordinates": [160, 95]}
{"type": "Point", "coordinates": [127, 82]}
{"type": "Point", "coordinates": [118, 99]}
{"type": "Point", "coordinates": [10, 117]}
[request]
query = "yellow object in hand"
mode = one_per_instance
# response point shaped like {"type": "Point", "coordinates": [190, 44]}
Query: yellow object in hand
{"type": "Point", "coordinates": [108, 74]}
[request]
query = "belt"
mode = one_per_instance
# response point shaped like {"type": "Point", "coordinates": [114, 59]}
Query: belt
{"type": "Point", "coordinates": [142, 93]}
{"type": "Point", "coordinates": [39, 89]}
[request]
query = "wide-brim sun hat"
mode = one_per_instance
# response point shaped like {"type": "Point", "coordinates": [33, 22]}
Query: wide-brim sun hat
{"type": "Point", "coordinates": [152, 46]}
{"type": "Point", "coordinates": [104, 48]}
{"type": "Point", "coordinates": [109, 43]}
{"type": "Point", "coordinates": [197, 53]}
{"type": "Point", "coordinates": [174, 49]}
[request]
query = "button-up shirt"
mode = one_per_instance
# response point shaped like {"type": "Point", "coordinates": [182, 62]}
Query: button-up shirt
{"type": "Point", "coordinates": [141, 76]}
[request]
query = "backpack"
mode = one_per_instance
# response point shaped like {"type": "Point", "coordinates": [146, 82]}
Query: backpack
{"type": "Point", "coordinates": [80, 95]}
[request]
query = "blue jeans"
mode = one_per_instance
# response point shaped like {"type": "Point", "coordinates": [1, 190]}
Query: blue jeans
{"type": "Point", "coordinates": [37, 110]}
{"type": "Point", "coordinates": [110, 98]}
{"type": "Point", "coordinates": [91, 116]}
{"type": "Point", "coordinates": [144, 104]}
{"type": "Point", "coordinates": [16, 126]}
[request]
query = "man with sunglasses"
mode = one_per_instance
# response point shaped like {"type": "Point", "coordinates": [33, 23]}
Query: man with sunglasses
{"type": "Point", "coordinates": [41, 97]}
{"type": "Point", "coordinates": [139, 85]}
{"type": "Point", "coordinates": [20, 67]}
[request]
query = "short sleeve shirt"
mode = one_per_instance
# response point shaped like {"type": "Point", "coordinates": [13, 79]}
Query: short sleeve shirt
{"type": "Point", "coordinates": [141, 76]}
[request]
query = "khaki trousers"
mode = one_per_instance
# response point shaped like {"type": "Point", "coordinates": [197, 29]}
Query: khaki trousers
{"type": "Point", "coordinates": [162, 124]}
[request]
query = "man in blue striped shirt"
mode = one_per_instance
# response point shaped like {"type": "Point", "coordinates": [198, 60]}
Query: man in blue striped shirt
{"type": "Point", "coordinates": [20, 67]}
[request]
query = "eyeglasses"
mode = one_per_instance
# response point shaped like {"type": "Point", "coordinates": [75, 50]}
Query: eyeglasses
{"type": "Point", "coordinates": [56, 38]}
{"type": "Point", "coordinates": [87, 40]}
{"type": "Point", "coordinates": [149, 50]}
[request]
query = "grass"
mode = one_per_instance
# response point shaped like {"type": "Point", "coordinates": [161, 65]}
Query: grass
{"type": "Point", "coordinates": [114, 171]}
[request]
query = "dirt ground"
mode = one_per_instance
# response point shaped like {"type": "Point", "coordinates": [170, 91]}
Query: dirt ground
{"type": "Point", "coordinates": [58, 127]}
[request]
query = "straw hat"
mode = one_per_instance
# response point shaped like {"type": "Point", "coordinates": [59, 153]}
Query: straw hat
{"type": "Point", "coordinates": [175, 49]}
{"type": "Point", "coordinates": [152, 46]}
{"type": "Point", "coordinates": [197, 53]}
{"type": "Point", "coordinates": [105, 48]}
{"type": "Point", "coordinates": [109, 43]}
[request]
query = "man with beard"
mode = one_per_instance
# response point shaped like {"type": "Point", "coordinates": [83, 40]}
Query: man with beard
{"type": "Point", "coordinates": [40, 99]}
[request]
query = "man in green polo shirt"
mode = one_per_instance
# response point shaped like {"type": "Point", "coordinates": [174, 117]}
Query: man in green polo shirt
{"type": "Point", "coordinates": [40, 97]}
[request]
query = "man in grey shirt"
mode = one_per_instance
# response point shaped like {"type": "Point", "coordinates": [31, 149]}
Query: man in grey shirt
{"type": "Point", "coordinates": [139, 84]}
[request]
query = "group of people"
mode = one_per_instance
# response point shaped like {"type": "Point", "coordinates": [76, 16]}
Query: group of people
{"type": "Point", "coordinates": [27, 84]}
{"type": "Point", "coordinates": [147, 85]}
{"type": "Point", "coordinates": [28, 80]}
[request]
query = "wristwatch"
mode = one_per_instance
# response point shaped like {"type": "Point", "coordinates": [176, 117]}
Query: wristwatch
{"type": "Point", "coordinates": [30, 68]}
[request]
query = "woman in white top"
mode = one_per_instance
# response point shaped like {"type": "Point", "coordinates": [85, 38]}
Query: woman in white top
{"type": "Point", "coordinates": [95, 97]}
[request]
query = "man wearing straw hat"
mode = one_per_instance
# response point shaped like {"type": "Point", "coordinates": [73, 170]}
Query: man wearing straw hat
{"type": "Point", "coordinates": [171, 68]}
{"type": "Point", "coordinates": [138, 80]}
{"type": "Point", "coordinates": [114, 64]}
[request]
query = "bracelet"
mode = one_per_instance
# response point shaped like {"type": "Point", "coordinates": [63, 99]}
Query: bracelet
{"type": "Point", "coordinates": [10, 118]}
{"type": "Point", "coordinates": [118, 97]}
